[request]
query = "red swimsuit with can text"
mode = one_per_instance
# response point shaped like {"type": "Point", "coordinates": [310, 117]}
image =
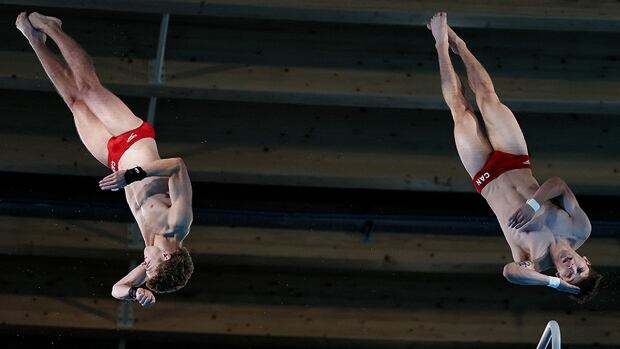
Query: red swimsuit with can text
{"type": "Point", "coordinates": [499, 163]}
{"type": "Point", "coordinates": [118, 145]}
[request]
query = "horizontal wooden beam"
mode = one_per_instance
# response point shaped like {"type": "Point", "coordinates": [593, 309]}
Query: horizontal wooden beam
{"type": "Point", "coordinates": [295, 284]}
{"type": "Point", "coordinates": [314, 85]}
{"type": "Point", "coordinates": [281, 247]}
{"type": "Point", "coordinates": [64, 294]}
{"type": "Point", "coordinates": [441, 325]}
{"type": "Point", "coordinates": [531, 15]}
{"type": "Point", "coordinates": [312, 146]}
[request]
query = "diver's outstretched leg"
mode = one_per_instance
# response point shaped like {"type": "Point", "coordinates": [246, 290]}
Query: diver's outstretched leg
{"type": "Point", "coordinates": [471, 142]}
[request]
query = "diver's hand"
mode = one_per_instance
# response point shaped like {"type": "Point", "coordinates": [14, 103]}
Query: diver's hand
{"type": "Point", "coordinates": [568, 288]}
{"type": "Point", "coordinates": [114, 181]}
{"type": "Point", "coordinates": [145, 297]}
{"type": "Point", "coordinates": [523, 215]}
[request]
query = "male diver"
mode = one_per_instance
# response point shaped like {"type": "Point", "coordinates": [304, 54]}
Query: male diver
{"type": "Point", "coordinates": [158, 191]}
{"type": "Point", "coordinates": [543, 224]}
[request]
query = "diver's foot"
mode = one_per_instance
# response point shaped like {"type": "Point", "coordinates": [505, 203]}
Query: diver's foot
{"type": "Point", "coordinates": [438, 25]}
{"type": "Point", "coordinates": [44, 23]}
{"type": "Point", "coordinates": [32, 34]}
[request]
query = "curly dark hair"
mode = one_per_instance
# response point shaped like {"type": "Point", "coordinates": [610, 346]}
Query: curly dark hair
{"type": "Point", "coordinates": [172, 275]}
{"type": "Point", "coordinates": [588, 287]}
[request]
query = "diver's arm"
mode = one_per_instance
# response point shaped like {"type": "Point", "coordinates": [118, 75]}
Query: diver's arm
{"type": "Point", "coordinates": [523, 274]}
{"type": "Point", "coordinates": [134, 278]}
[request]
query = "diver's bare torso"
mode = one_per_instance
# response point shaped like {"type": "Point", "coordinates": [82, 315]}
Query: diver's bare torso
{"type": "Point", "coordinates": [148, 199]}
{"type": "Point", "coordinates": [531, 242]}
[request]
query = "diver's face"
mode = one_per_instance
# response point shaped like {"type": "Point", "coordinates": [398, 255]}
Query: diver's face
{"type": "Point", "coordinates": [572, 268]}
{"type": "Point", "coordinates": [153, 256]}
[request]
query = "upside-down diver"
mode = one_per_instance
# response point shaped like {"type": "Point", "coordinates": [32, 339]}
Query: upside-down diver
{"type": "Point", "coordinates": [158, 191]}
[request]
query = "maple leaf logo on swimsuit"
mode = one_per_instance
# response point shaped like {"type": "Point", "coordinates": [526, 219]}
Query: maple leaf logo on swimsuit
{"type": "Point", "coordinates": [131, 136]}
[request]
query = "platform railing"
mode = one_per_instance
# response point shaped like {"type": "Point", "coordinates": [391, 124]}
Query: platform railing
{"type": "Point", "coordinates": [550, 334]}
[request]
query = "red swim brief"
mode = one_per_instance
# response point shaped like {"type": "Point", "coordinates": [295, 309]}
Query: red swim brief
{"type": "Point", "coordinates": [118, 145]}
{"type": "Point", "coordinates": [498, 163]}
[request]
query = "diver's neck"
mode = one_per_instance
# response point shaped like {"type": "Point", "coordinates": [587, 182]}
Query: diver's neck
{"type": "Point", "coordinates": [166, 244]}
{"type": "Point", "coordinates": [558, 247]}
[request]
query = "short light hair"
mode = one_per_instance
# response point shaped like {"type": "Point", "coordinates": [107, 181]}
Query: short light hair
{"type": "Point", "coordinates": [173, 274]}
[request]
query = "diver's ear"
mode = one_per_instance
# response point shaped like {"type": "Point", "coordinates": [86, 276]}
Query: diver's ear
{"type": "Point", "coordinates": [167, 256]}
{"type": "Point", "coordinates": [587, 260]}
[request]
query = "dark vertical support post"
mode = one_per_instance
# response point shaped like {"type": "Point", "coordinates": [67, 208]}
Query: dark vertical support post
{"type": "Point", "coordinates": [157, 77]}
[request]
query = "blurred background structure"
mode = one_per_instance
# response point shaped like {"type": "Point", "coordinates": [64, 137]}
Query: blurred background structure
{"type": "Point", "coordinates": [331, 209]}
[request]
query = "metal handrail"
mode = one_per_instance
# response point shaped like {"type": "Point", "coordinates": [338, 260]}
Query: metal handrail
{"type": "Point", "coordinates": [550, 334]}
